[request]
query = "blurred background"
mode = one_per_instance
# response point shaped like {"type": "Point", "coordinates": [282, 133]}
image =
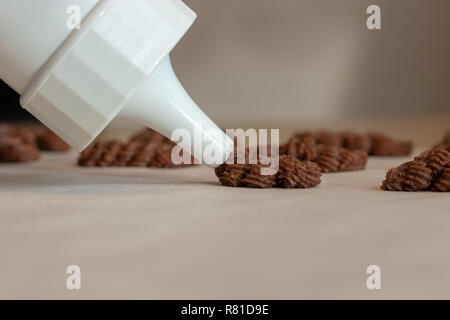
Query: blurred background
{"type": "Point", "coordinates": [291, 63]}
{"type": "Point", "coordinates": [285, 61]}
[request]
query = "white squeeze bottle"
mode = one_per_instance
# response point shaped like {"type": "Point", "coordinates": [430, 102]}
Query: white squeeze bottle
{"type": "Point", "coordinates": [116, 64]}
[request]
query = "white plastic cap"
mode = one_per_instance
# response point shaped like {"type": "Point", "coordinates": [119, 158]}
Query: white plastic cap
{"type": "Point", "coordinates": [99, 67]}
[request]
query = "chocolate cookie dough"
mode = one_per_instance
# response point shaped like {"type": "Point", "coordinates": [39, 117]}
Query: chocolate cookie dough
{"type": "Point", "coordinates": [49, 141]}
{"type": "Point", "coordinates": [326, 138]}
{"type": "Point", "coordinates": [303, 147]}
{"type": "Point", "coordinates": [410, 176]}
{"type": "Point", "coordinates": [17, 144]}
{"type": "Point", "coordinates": [335, 159]}
{"type": "Point", "coordinates": [443, 183]}
{"type": "Point", "coordinates": [292, 173]}
{"type": "Point", "coordinates": [356, 141]}
{"type": "Point", "coordinates": [375, 144]}
{"type": "Point", "coordinates": [329, 158]}
{"type": "Point", "coordinates": [429, 171]}
{"type": "Point", "coordinates": [147, 148]}
{"type": "Point", "coordinates": [132, 154]}
{"type": "Point", "coordinates": [15, 149]}
{"type": "Point", "coordinates": [25, 134]}
{"type": "Point", "coordinates": [382, 145]}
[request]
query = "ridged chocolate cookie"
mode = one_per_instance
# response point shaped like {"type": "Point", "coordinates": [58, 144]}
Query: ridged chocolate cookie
{"type": "Point", "coordinates": [375, 144]}
{"type": "Point", "coordinates": [429, 171]}
{"type": "Point", "coordinates": [292, 173]}
{"type": "Point", "coordinates": [329, 158]}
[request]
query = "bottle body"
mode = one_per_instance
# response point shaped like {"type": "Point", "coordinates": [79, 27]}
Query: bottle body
{"type": "Point", "coordinates": [30, 32]}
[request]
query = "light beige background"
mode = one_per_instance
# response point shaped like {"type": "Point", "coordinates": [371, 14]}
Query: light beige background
{"type": "Point", "coordinates": [274, 62]}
